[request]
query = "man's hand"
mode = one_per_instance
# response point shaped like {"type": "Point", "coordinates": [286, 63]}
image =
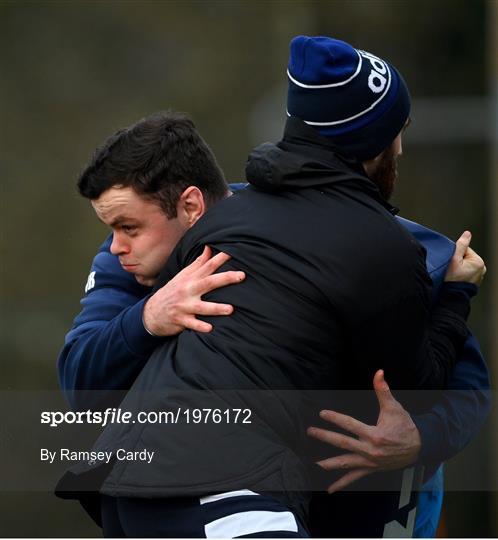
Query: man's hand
{"type": "Point", "coordinates": [394, 443]}
{"type": "Point", "coordinates": [465, 265]}
{"type": "Point", "coordinates": [174, 307]}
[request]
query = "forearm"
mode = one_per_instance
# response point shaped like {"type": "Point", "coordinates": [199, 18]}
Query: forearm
{"type": "Point", "coordinates": [447, 334]}
{"type": "Point", "coordinates": [459, 414]}
{"type": "Point", "coordinates": [104, 355]}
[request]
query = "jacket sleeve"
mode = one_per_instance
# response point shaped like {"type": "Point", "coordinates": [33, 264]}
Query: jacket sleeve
{"type": "Point", "coordinates": [108, 344]}
{"type": "Point", "coordinates": [463, 407]}
{"type": "Point", "coordinates": [448, 333]}
{"type": "Point", "coordinates": [461, 411]}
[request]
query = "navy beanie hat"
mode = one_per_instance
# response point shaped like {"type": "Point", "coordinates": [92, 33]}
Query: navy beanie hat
{"type": "Point", "coordinates": [353, 98]}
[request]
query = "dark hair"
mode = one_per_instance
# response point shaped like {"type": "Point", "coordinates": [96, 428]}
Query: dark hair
{"type": "Point", "coordinates": [159, 157]}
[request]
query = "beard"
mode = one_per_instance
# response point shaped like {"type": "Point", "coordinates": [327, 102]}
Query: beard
{"type": "Point", "coordinates": [385, 173]}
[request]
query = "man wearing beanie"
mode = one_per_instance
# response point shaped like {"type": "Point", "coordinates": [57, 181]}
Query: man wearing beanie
{"type": "Point", "coordinates": [355, 100]}
{"type": "Point", "coordinates": [328, 81]}
{"type": "Point", "coordinates": [336, 289]}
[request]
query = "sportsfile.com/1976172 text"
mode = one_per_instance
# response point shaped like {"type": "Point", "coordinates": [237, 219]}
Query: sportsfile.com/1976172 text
{"type": "Point", "coordinates": [175, 416]}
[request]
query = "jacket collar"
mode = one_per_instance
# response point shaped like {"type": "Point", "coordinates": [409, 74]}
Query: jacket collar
{"type": "Point", "coordinates": [303, 158]}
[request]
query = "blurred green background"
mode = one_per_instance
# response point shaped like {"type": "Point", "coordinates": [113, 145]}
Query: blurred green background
{"type": "Point", "coordinates": [73, 72]}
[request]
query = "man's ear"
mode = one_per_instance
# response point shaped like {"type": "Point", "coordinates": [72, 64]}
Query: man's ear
{"type": "Point", "coordinates": [190, 206]}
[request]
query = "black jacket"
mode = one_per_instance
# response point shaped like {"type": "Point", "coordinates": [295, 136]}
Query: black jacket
{"type": "Point", "coordinates": [335, 290]}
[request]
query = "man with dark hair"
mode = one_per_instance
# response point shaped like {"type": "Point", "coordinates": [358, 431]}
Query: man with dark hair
{"type": "Point", "coordinates": [149, 183]}
{"type": "Point", "coordinates": [303, 327]}
{"type": "Point", "coordinates": [159, 157]}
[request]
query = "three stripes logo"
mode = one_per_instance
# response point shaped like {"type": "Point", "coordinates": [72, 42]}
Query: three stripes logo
{"type": "Point", "coordinates": [90, 282]}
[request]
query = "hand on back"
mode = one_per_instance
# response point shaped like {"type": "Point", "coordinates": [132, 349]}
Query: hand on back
{"type": "Point", "coordinates": [174, 307]}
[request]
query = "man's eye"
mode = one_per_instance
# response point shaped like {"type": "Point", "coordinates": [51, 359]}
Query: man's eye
{"type": "Point", "coordinates": [129, 228]}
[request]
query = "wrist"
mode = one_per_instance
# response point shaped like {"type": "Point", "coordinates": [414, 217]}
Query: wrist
{"type": "Point", "coordinates": [417, 446]}
{"type": "Point", "coordinates": [147, 320]}
{"type": "Point", "coordinates": [455, 296]}
{"type": "Point", "coordinates": [134, 333]}
{"type": "Point", "coordinates": [146, 328]}
{"type": "Point", "coordinates": [431, 438]}
{"type": "Point", "coordinates": [464, 287]}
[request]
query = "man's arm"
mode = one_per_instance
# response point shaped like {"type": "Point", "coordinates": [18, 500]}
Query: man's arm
{"type": "Point", "coordinates": [106, 334]}
{"type": "Point", "coordinates": [393, 443]}
{"type": "Point", "coordinates": [460, 413]}
{"type": "Point", "coordinates": [398, 440]}
{"type": "Point", "coordinates": [109, 344]}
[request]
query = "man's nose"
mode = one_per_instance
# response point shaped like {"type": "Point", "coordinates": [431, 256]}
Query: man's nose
{"type": "Point", "coordinates": [119, 246]}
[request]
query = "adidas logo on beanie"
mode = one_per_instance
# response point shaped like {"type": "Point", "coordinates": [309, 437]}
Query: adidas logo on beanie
{"type": "Point", "coordinates": [350, 96]}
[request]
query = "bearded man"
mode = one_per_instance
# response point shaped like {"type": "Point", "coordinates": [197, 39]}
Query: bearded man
{"type": "Point", "coordinates": [335, 289]}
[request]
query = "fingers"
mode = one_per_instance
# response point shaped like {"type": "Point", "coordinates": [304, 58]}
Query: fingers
{"type": "Point", "coordinates": [462, 245]}
{"type": "Point", "coordinates": [337, 439]}
{"type": "Point", "coordinates": [192, 323]}
{"type": "Point", "coordinates": [347, 461]}
{"type": "Point", "coordinates": [382, 391]}
{"type": "Point", "coordinates": [210, 266]}
{"type": "Point", "coordinates": [466, 265]}
{"type": "Point", "coordinates": [202, 259]}
{"type": "Point", "coordinates": [175, 306]}
{"type": "Point", "coordinates": [345, 422]}
{"type": "Point", "coordinates": [216, 281]}
{"type": "Point", "coordinates": [205, 255]}
{"type": "Point", "coordinates": [473, 256]}
{"type": "Point", "coordinates": [348, 479]}
{"type": "Point", "coordinates": [478, 262]}
{"type": "Point", "coordinates": [190, 270]}
{"type": "Point", "coordinates": [211, 309]}
{"type": "Point", "coordinates": [206, 264]}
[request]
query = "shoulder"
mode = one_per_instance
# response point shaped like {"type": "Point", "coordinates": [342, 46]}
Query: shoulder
{"type": "Point", "coordinates": [237, 186]}
{"type": "Point", "coordinates": [439, 248]}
